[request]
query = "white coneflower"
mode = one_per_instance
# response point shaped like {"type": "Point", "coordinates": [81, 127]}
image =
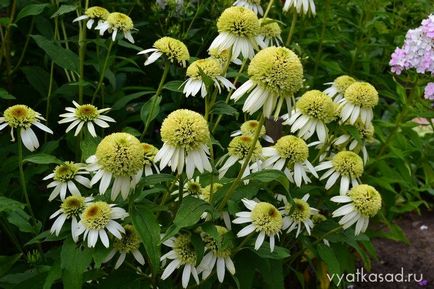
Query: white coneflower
{"type": "Point", "coordinates": [358, 102]}
{"type": "Point", "coordinates": [238, 150]}
{"type": "Point", "coordinates": [363, 202]}
{"type": "Point", "coordinates": [366, 134]}
{"type": "Point", "coordinates": [254, 5]}
{"type": "Point", "coordinates": [186, 136]}
{"type": "Point", "coordinates": [301, 6]}
{"type": "Point", "coordinates": [264, 218]}
{"type": "Point", "coordinates": [213, 69]}
{"type": "Point", "coordinates": [22, 117]}
{"type": "Point", "coordinates": [205, 194]}
{"type": "Point", "coordinates": [171, 48]}
{"type": "Point", "coordinates": [85, 114]}
{"type": "Point", "coordinates": [182, 254]}
{"type": "Point", "coordinates": [290, 153]}
{"type": "Point", "coordinates": [319, 218]}
{"type": "Point", "coordinates": [249, 128]}
{"type": "Point", "coordinates": [313, 111]}
{"type": "Point", "coordinates": [221, 55]}
{"type": "Point", "coordinates": [275, 74]}
{"type": "Point", "coordinates": [116, 22]}
{"type": "Point", "coordinates": [338, 86]}
{"type": "Point", "coordinates": [64, 176]}
{"type": "Point", "coordinates": [148, 159]}
{"type": "Point", "coordinates": [217, 255]}
{"type": "Point", "coordinates": [345, 165]}
{"type": "Point", "coordinates": [269, 33]}
{"type": "Point", "coordinates": [118, 156]}
{"type": "Point", "coordinates": [129, 243]}
{"type": "Point", "coordinates": [96, 218]}
{"type": "Point", "coordinates": [298, 214]}
{"type": "Point", "coordinates": [71, 208]}
{"type": "Point", "coordinates": [191, 187]}
{"type": "Point", "coordinates": [238, 29]}
{"type": "Point", "coordinates": [92, 14]}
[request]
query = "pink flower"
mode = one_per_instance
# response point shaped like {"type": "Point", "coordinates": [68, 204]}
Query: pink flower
{"type": "Point", "coordinates": [429, 91]}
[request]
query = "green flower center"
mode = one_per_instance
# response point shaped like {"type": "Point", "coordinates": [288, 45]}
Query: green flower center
{"type": "Point", "coordinates": [184, 250]}
{"type": "Point", "coordinates": [292, 148]}
{"type": "Point", "coordinates": [278, 70]}
{"type": "Point", "coordinates": [240, 146]}
{"type": "Point", "coordinates": [222, 56]}
{"type": "Point", "coordinates": [20, 116]}
{"type": "Point", "coordinates": [217, 248]}
{"type": "Point", "coordinates": [269, 28]}
{"type": "Point", "coordinates": [97, 12]}
{"type": "Point", "coordinates": [249, 128]}
{"type": "Point", "coordinates": [348, 163]}
{"type": "Point", "coordinates": [317, 104]}
{"type": "Point", "coordinates": [210, 67]}
{"type": "Point", "coordinates": [366, 130]}
{"type": "Point", "coordinates": [120, 154]}
{"type": "Point", "coordinates": [300, 211]}
{"type": "Point", "coordinates": [172, 48]}
{"type": "Point", "coordinates": [205, 193]}
{"type": "Point", "coordinates": [185, 128]}
{"type": "Point", "coordinates": [73, 206]}
{"type": "Point", "coordinates": [266, 218]}
{"type": "Point", "coordinates": [366, 200]}
{"type": "Point", "coordinates": [86, 112]}
{"type": "Point", "coordinates": [130, 240]}
{"type": "Point", "coordinates": [120, 21]}
{"type": "Point", "coordinates": [65, 171]}
{"type": "Point", "coordinates": [96, 216]}
{"type": "Point", "coordinates": [343, 82]}
{"type": "Point", "coordinates": [239, 21]}
{"type": "Point", "coordinates": [362, 94]}
{"type": "Point", "coordinates": [149, 153]}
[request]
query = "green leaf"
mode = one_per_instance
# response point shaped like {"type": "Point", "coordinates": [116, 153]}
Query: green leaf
{"type": "Point", "coordinates": [7, 204]}
{"type": "Point", "coordinates": [54, 274]}
{"type": "Point", "coordinates": [38, 78]}
{"type": "Point", "coordinates": [150, 110]}
{"type": "Point", "coordinates": [31, 10]}
{"type": "Point", "coordinates": [4, 94]}
{"type": "Point", "coordinates": [65, 58]}
{"type": "Point", "coordinates": [267, 176]}
{"type": "Point", "coordinates": [6, 263]}
{"type": "Point", "coordinates": [64, 9]}
{"type": "Point", "coordinates": [122, 102]}
{"type": "Point", "coordinates": [148, 228]}
{"type": "Point", "coordinates": [42, 159]}
{"type": "Point", "coordinates": [158, 179]}
{"type": "Point", "coordinates": [73, 262]}
{"type": "Point", "coordinates": [278, 253]}
{"type": "Point", "coordinates": [221, 107]}
{"type": "Point", "coordinates": [328, 256]}
{"type": "Point", "coordinates": [88, 145]}
{"type": "Point", "coordinates": [174, 85]}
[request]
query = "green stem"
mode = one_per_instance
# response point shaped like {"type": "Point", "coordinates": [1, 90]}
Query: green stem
{"type": "Point", "coordinates": [26, 44]}
{"type": "Point", "coordinates": [270, 4]}
{"type": "Point", "coordinates": [237, 181]}
{"type": "Point", "coordinates": [321, 40]}
{"type": "Point", "coordinates": [50, 90]}
{"type": "Point", "coordinates": [102, 72]}
{"type": "Point", "coordinates": [291, 30]}
{"type": "Point", "coordinates": [82, 55]}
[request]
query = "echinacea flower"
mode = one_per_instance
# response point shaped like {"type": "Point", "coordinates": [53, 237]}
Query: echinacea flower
{"type": "Point", "coordinates": [85, 114]}
{"type": "Point", "coordinates": [301, 6]}
{"type": "Point", "coordinates": [148, 159]}
{"type": "Point", "coordinates": [238, 150]}
{"type": "Point", "coordinates": [71, 208]}
{"type": "Point", "coordinates": [254, 5]}
{"type": "Point", "coordinates": [345, 165]}
{"type": "Point", "coordinates": [358, 102]}
{"type": "Point", "coordinates": [118, 156]}
{"type": "Point", "coordinates": [182, 254]}
{"type": "Point", "coordinates": [22, 117]}
{"type": "Point", "coordinates": [216, 255]}
{"type": "Point", "coordinates": [298, 215]}
{"type": "Point", "coordinates": [362, 202]}
{"type": "Point", "coordinates": [338, 86]}
{"type": "Point", "coordinates": [185, 135]}
{"type": "Point", "coordinates": [171, 48]}
{"type": "Point", "coordinates": [129, 243]}
{"type": "Point", "coordinates": [269, 33]}
{"type": "Point", "coordinates": [290, 153]}
{"type": "Point", "coordinates": [313, 111]}
{"type": "Point", "coordinates": [275, 75]}
{"type": "Point", "coordinates": [92, 14]}
{"type": "Point", "coordinates": [64, 176]}
{"type": "Point", "coordinates": [96, 218]}
{"type": "Point", "coordinates": [249, 128]}
{"type": "Point", "coordinates": [211, 68]}
{"type": "Point", "coordinates": [238, 29]}
{"type": "Point", "coordinates": [264, 218]}
{"type": "Point", "coordinates": [205, 194]}
{"type": "Point", "coordinates": [117, 22]}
